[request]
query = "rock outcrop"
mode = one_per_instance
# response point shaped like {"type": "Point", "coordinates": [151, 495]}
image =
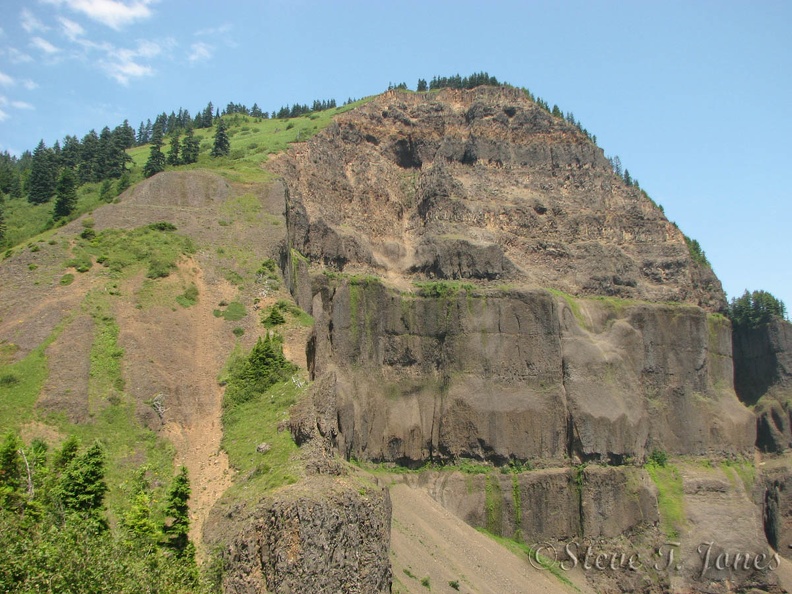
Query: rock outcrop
{"type": "Point", "coordinates": [763, 376]}
{"type": "Point", "coordinates": [484, 185]}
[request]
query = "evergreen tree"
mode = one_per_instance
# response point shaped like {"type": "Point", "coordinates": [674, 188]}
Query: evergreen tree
{"type": "Point", "coordinates": [10, 472]}
{"type": "Point", "coordinates": [222, 146]}
{"type": "Point", "coordinates": [422, 86]}
{"type": "Point", "coordinates": [177, 524]}
{"type": "Point", "coordinates": [106, 193]}
{"type": "Point", "coordinates": [66, 193]}
{"type": "Point", "coordinates": [71, 152]}
{"type": "Point", "coordinates": [43, 175]}
{"type": "Point", "coordinates": [89, 158]}
{"type": "Point", "coordinates": [173, 154]}
{"type": "Point", "coordinates": [82, 486]}
{"type": "Point", "coordinates": [627, 177]}
{"type": "Point", "coordinates": [755, 309]}
{"type": "Point", "coordinates": [123, 183]}
{"type": "Point", "coordinates": [190, 148]}
{"type": "Point", "coordinates": [2, 221]}
{"type": "Point", "coordinates": [156, 160]}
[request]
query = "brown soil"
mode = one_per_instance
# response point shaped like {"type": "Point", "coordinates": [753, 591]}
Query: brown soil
{"type": "Point", "coordinates": [429, 541]}
{"type": "Point", "coordinates": [178, 353]}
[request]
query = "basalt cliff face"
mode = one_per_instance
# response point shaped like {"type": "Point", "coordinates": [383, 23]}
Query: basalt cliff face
{"type": "Point", "coordinates": [485, 288]}
{"type": "Point", "coordinates": [485, 188]}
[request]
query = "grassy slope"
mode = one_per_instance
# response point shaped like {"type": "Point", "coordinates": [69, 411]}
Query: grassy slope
{"type": "Point", "coordinates": [127, 253]}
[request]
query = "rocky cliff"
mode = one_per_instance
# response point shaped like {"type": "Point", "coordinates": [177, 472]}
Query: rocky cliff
{"type": "Point", "coordinates": [487, 199]}
{"type": "Point", "coordinates": [763, 376]}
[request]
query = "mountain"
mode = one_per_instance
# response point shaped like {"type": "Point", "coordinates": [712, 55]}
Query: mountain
{"type": "Point", "coordinates": [483, 327]}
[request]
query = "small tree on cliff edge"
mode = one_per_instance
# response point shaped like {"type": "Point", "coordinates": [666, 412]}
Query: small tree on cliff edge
{"type": "Point", "coordinates": [177, 524]}
{"type": "Point", "coordinates": [221, 146]}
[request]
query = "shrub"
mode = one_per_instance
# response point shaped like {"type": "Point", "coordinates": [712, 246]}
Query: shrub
{"type": "Point", "coordinates": [263, 367]}
{"type": "Point", "coordinates": [658, 458]}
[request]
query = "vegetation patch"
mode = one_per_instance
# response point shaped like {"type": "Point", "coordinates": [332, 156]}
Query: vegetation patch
{"type": "Point", "coordinates": [154, 246]}
{"type": "Point", "coordinates": [189, 297]}
{"type": "Point", "coordinates": [670, 496]}
{"type": "Point", "coordinates": [233, 312]}
{"type": "Point", "coordinates": [259, 393]}
{"type": "Point", "coordinates": [443, 289]}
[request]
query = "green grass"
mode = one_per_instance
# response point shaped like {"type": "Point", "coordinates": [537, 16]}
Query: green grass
{"type": "Point", "coordinates": [744, 469]}
{"type": "Point", "coordinates": [574, 306]}
{"type": "Point", "coordinates": [234, 312]}
{"type": "Point", "coordinates": [118, 249]}
{"type": "Point", "coordinates": [442, 289]}
{"type": "Point", "coordinates": [189, 297]}
{"type": "Point", "coordinates": [253, 422]}
{"type": "Point", "coordinates": [670, 498]}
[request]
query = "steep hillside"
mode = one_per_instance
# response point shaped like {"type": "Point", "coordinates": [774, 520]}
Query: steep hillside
{"type": "Point", "coordinates": [483, 328]}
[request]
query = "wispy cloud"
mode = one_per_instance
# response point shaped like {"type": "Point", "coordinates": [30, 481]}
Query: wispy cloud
{"type": "Point", "coordinates": [30, 23]}
{"type": "Point", "coordinates": [44, 45]}
{"type": "Point", "coordinates": [122, 65]}
{"type": "Point", "coordinates": [116, 14]}
{"type": "Point", "coordinates": [71, 30]}
{"type": "Point", "coordinates": [214, 31]}
{"type": "Point", "coordinates": [6, 81]}
{"type": "Point", "coordinates": [30, 85]}
{"type": "Point", "coordinates": [16, 56]}
{"type": "Point", "coordinates": [5, 102]}
{"type": "Point", "coordinates": [200, 51]}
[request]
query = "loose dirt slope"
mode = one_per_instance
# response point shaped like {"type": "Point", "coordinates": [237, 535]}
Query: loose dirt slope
{"type": "Point", "coordinates": [428, 541]}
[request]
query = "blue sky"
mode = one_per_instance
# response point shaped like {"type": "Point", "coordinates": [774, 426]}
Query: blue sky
{"type": "Point", "coordinates": [694, 97]}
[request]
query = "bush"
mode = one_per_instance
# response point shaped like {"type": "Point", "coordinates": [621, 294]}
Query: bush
{"type": "Point", "coordinates": [658, 458]}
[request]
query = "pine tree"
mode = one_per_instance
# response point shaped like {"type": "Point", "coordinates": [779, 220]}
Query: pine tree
{"type": "Point", "coordinates": [2, 222]}
{"type": "Point", "coordinates": [422, 86]}
{"type": "Point", "coordinates": [10, 471]}
{"type": "Point", "coordinates": [222, 146]}
{"type": "Point", "coordinates": [82, 486]}
{"type": "Point", "coordinates": [89, 158]}
{"type": "Point", "coordinates": [156, 160]}
{"type": "Point", "coordinates": [66, 193]}
{"type": "Point", "coordinates": [173, 154]}
{"type": "Point", "coordinates": [123, 183]}
{"type": "Point", "coordinates": [43, 175]}
{"type": "Point", "coordinates": [177, 524]}
{"type": "Point", "coordinates": [190, 148]}
{"type": "Point", "coordinates": [106, 192]}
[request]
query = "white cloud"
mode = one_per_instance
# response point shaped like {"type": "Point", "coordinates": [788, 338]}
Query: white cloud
{"type": "Point", "coordinates": [113, 13]}
{"type": "Point", "coordinates": [212, 31]}
{"type": "Point", "coordinates": [148, 49]}
{"type": "Point", "coordinates": [3, 116]}
{"type": "Point", "coordinates": [6, 80]}
{"type": "Point", "coordinates": [123, 65]}
{"type": "Point", "coordinates": [16, 56]}
{"type": "Point", "coordinates": [200, 51]}
{"type": "Point", "coordinates": [30, 23]}
{"type": "Point", "coordinates": [71, 29]}
{"type": "Point", "coordinates": [30, 85]}
{"type": "Point", "coordinates": [44, 45]}
{"type": "Point", "coordinates": [21, 105]}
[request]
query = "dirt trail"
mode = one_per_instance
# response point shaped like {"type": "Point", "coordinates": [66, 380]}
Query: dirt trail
{"type": "Point", "coordinates": [429, 541]}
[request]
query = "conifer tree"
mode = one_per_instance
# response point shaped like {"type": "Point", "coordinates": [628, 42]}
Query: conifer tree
{"type": "Point", "coordinates": [222, 146]}
{"type": "Point", "coordinates": [65, 193]}
{"type": "Point", "coordinates": [123, 183]}
{"type": "Point", "coordinates": [156, 160]}
{"type": "Point", "coordinates": [82, 485]}
{"type": "Point", "coordinates": [190, 147]}
{"type": "Point", "coordinates": [106, 192]}
{"type": "Point", "coordinates": [2, 221]}
{"type": "Point", "coordinates": [43, 175]}
{"type": "Point", "coordinates": [173, 154]}
{"type": "Point", "coordinates": [177, 524]}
